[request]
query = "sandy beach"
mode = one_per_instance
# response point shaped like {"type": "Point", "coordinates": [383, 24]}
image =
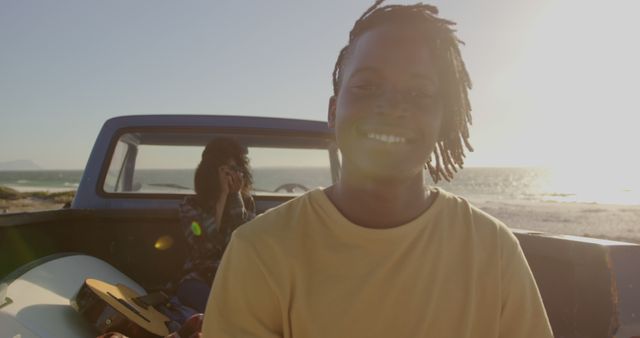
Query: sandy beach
{"type": "Point", "coordinates": [615, 222]}
{"type": "Point", "coordinates": [27, 204]}
{"type": "Point", "coordinates": [12, 201]}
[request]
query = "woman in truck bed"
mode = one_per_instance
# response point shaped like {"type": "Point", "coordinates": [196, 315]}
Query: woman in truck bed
{"type": "Point", "coordinates": [221, 204]}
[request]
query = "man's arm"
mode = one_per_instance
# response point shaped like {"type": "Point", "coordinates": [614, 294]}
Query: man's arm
{"type": "Point", "coordinates": [523, 314]}
{"type": "Point", "coordinates": [243, 301]}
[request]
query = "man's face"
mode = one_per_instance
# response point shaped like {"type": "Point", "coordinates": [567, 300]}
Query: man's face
{"type": "Point", "coordinates": [387, 113]}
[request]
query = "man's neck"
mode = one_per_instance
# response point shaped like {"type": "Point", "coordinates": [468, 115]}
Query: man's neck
{"type": "Point", "coordinates": [381, 204]}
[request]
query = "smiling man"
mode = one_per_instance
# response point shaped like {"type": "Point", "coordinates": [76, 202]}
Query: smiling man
{"type": "Point", "coordinates": [380, 254]}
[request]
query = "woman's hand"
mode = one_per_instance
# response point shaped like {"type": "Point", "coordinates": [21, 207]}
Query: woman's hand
{"type": "Point", "coordinates": [236, 181]}
{"type": "Point", "coordinates": [231, 181]}
{"type": "Point", "coordinates": [224, 177]}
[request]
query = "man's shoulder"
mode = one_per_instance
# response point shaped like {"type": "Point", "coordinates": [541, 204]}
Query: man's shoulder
{"type": "Point", "coordinates": [468, 223]}
{"type": "Point", "coordinates": [476, 217]}
{"type": "Point", "coordinates": [277, 222]}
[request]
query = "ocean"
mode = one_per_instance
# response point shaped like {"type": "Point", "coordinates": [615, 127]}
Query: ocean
{"type": "Point", "coordinates": [499, 184]}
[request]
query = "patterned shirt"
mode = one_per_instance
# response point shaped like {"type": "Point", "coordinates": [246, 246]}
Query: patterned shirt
{"type": "Point", "coordinates": [205, 242]}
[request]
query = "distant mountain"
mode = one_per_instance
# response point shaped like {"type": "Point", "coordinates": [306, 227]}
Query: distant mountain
{"type": "Point", "coordinates": [19, 165]}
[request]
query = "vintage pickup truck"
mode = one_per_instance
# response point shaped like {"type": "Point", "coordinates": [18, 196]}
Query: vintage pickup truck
{"type": "Point", "coordinates": [122, 227]}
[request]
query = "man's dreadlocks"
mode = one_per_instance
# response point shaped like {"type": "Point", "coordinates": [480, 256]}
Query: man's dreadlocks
{"type": "Point", "coordinates": [454, 79]}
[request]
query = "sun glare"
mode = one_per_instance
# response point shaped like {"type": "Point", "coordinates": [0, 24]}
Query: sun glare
{"type": "Point", "coordinates": [577, 80]}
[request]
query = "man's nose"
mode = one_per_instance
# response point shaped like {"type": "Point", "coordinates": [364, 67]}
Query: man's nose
{"type": "Point", "coordinates": [392, 103]}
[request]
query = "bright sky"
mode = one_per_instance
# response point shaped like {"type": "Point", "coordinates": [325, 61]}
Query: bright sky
{"type": "Point", "coordinates": [555, 81]}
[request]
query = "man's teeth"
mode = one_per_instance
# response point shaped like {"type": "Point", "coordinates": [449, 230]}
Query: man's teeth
{"type": "Point", "coordinates": [387, 138]}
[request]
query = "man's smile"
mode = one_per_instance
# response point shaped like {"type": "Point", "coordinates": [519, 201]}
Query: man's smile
{"type": "Point", "coordinates": [387, 138]}
{"type": "Point", "coordinates": [387, 135]}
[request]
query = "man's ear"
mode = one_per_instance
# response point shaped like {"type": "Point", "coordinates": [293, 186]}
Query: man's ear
{"type": "Point", "coordinates": [331, 114]}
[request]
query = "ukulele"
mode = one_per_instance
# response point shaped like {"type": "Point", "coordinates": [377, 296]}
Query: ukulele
{"type": "Point", "coordinates": [118, 308]}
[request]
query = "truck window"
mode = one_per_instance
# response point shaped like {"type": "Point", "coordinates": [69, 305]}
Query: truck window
{"type": "Point", "coordinates": [286, 170]}
{"type": "Point", "coordinates": [164, 163]}
{"type": "Point", "coordinates": [165, 168]}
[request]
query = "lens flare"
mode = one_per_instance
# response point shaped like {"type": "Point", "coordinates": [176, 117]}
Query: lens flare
{"type": "Point", "coordinates": [196, 229]}
{"type": "Point", "coordinates": [164, 242]}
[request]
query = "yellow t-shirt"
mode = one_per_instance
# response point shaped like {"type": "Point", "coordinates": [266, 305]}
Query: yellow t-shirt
{"type": "Point", "coordinates": [303, 270]}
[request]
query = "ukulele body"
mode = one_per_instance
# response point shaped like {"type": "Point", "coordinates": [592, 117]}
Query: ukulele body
{"type": "Point", "coordinates": [110, 308]}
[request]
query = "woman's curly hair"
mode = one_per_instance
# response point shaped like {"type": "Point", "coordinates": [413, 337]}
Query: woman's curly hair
{"type": "Point", "coordinates": [216, 154]}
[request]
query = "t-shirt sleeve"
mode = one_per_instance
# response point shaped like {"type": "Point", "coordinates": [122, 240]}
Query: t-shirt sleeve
{"type": "Point", "coordinates": [243, 302]}
{"type": "Point", "coordinates": [523, 314]}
